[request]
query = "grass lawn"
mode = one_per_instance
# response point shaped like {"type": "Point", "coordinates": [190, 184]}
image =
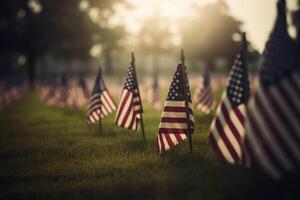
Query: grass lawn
{"type": "Point", "coordinates": [50, 153]}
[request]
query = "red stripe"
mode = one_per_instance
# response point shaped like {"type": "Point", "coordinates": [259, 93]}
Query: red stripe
{"type": "Point", "coordinates": [174, 120]}
{"type": "Point", "coordinates": [169, 140]}
{"type": "Point", "coordinates": [122, 104]}
{"type": "Point", "coordinates": [178, 137]}
{"type": "Point", "coordinates": [112, 100]}
{"type": "Point", "coordinates": [216, 147]}
{"type": "Point", "coordinates": [176, 109]}
{"type": "Point", "coordinates": [106, 103]}
{"type": "Point", "coordinates": [230, 124]}
{"type": "Point", "coordinates": [128, 111]}
{"type": "Point", "coordinates": [239, 115]}
{"type": "Point", "coordinates": [172, 131]}
{"type": "Point", "coordinates": [226, 141]}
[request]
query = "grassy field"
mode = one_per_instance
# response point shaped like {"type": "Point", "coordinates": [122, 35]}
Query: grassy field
{"type": "Point", "coordinates": [50, 153]}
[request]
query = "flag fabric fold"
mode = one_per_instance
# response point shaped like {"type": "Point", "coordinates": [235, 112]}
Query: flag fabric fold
{"type": "Point", "coordinates": [173, 127]}
{"type": "Point", "coordinates": [100, 103]}
{"type": "Point", "coordinates": [228, 127]}
{"type": "Point", "coordinates": [272, 142]}
{"type": "Point", "coordinates": [204, 100]}
{"type": "Point", "coordinates": [130, 107]}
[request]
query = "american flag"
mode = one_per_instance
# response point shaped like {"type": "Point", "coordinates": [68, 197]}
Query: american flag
{"type": "Point", "coordinates": [272, 140]}
{"type": "Point", "coordinates": [153, 95]}
{"type": "Point", "coordinates": [101, 103]}
{"type": "Point", "coordinates": [63, 92]}
{"type": "Point", "coordinates": [50, 91]}
{"type": "Point", "coordinates": [79, 93]}
{"type": "Point", "coordinates": [130, 107]}
{"type": "Point", "coordinates": [173, 127]}
{"type": "Point", "coordinates": [82, 84]}
{"type": "Point", "coordinates": [203, 95]}
{"type": "Point", "coordinates": [228, 127]}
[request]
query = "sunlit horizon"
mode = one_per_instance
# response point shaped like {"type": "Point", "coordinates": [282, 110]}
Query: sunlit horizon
{"type": "Point", "coordinates": [257, 20]}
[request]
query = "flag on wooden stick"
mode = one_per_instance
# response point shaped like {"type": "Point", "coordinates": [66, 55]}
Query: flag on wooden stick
{"type": "Point", "coordinates": [204, 99]}
{"type": "Point", "coordinates": [228, 129]}
{"type": "Point", "coordinates": [101, 102]}
{"type": "Point", "coordinates": [177, 120]}
{"type": "Point", "coordinates": [129, 113]}
{"type": "Point", "coordinates": [272, 140]}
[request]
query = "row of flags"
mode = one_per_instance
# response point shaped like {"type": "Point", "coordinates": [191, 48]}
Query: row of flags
{"type": "Point", "coordinates": [63, 92]}
{"type": "Point", "coordinates": [262, 130]}
{"type": "Point", "coordinates": [11, 91]}
{"type": "Point", "coordinates": [257, 129]}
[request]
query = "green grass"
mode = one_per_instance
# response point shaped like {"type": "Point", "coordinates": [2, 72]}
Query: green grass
{"type": "Point", "coordinates": [50, 153]}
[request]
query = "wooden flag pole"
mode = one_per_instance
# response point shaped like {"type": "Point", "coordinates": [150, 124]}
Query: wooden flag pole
{"type": "Point", "coordinates": [244, 54]}
{"type": "Point", "coordinates": [186, 99]}
{"type": "Point", "coordinates": [137, 85]}
{"type": "Point", "coordinates": [100, 119]}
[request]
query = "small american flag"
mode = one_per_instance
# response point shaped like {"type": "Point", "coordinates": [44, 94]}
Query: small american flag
{"type": "Point", "coordinates": [82, 84]}
{"type": "Point", "coordinates": [101, 103]}
{"type": "Point", "coordinates": [63, 92]}
{"type": "Point", "coordinates": [173, 127]}
{"type": "Point", "coordinates": [130, 106]}
{"type": "Point", "coordinates": [272, 140]}
{"type": "Point", "coordinates": [203, 95]}
{"type": "Point", "coordinates": [153, 95]}
{"type": "Point", "coordinates": [50, 91]}
{"type": "Point", "coordinates": [79, 93]}
{"type": "Point", "coordinates": [228, 128]}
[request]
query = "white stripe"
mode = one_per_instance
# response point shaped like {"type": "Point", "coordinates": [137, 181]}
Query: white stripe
{"type": "Point", "coordinates": [165, 142]}
{"type": "Point", "coordinates": [174, 139]}
{"type": "Point", "coordinates": [109, 99]}
{"type": "Point", "coordinates": [159, 144]}
{"type": "Point", "coordinates": [228, 133]}
{"type": "Point", "coordinates": [222, 146]}
{"type": "Point", "coordinates": [125, 107]}
{"type": "Point", "coordinates": [177, 104]}
{"type": "Point", "coordinates": [173, 125]}
{"type": "Point", "coordinates": [92, 119]}
{"type": "Point", "coordinates": [96, 117]}
{"type": "Point", "coordinates": [236, 122]}
{"type": "Point", "coordinates": [129, 119]}
{"type": "Point", "coordinates": [105, 104]}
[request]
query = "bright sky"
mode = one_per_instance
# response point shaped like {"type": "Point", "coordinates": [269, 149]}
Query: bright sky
{"type": "Point", "coordinates": [258, 15]}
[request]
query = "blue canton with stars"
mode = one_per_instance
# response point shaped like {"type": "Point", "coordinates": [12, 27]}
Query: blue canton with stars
{"type": "Point", "coordinates": [176, 88]}
{"type": "Point", "coordinates": [238, 89]}
{"type": "Point", "coordinates": [280, 58]}
{"type": "Point", "coordinates": [130, 80]}
{"type": "Point", "coordinates": [99, 85]}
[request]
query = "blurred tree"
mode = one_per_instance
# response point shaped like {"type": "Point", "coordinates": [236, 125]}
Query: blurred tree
{"type": "Point", "coordinates": [108, 34]}
{"type": "Point", "coordinates": [210, 34]}
{"type": "Point", "coordinates": [155, 38]}
{"type": "Point", "coordinates": [35, 27]}
{"type": "Point", "coordinates": [296, 22]}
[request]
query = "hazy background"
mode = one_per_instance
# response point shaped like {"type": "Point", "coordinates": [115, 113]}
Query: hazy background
{"type": "Point", "coordinates": [47, 38]}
